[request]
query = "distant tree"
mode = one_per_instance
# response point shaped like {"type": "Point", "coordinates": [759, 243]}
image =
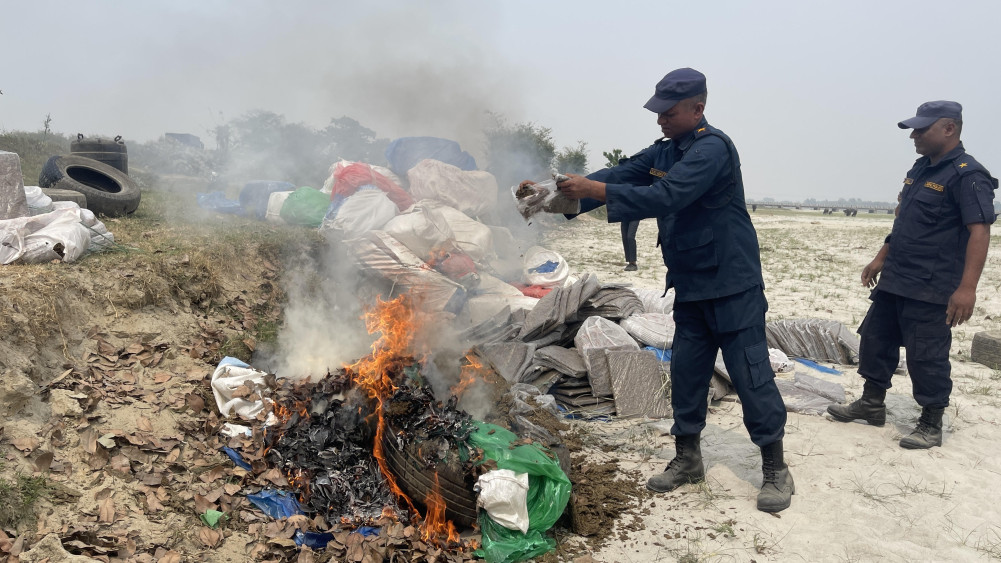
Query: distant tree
{"type": "Point", "coordinates": [520, 151]}
{"type": "Point", "coordinates": [572, 160]}
{"type": "Point", "coordinates": [613, 157]}
{"type": "Point", "coordinates": [47, 125]}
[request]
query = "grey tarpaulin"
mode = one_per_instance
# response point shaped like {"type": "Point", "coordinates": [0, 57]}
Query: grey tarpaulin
{"type": "Point", "coordinates": [815, 339]}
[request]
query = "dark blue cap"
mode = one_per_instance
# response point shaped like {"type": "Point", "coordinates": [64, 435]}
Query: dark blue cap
{"type": "Point", "coordinates": [676, 86]}
{"type": "Point", "coordinates": [930, 112]}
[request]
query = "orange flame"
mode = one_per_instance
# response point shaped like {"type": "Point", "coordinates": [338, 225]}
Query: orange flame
{"type": "Point", "coordinates": [396, 322]}
{"type": "Point", "coordinates": [468, 375]}
{"type": "Point", "coordinates": [434, 524]}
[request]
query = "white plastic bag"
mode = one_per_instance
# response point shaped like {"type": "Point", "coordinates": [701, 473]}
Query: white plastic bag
{"type": "Point", "coordinates": [545, 267]}
{"type": "Point", "coordinates": [38, 202]}
{"type": "Point", "coordinates": [227, 378]}
{"type": "Point", "coordinates": [779, 361]}
{"type": "Point", "coordinates": [275, 202]}
{"type": "Point", "coordinates": [504, 495]}
{"type": "Point", "coordinates": [62, 234]}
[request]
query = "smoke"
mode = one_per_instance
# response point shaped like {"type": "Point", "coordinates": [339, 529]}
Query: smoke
{"type": "Point", "coordinates": [322, 327]}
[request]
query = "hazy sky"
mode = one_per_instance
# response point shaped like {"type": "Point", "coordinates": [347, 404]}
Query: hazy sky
{"type": "Point", "coordinates": [810, 91]}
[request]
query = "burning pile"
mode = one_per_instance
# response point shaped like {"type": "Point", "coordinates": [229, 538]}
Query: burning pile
{"type": "Point", "coordinates": [337, 438]}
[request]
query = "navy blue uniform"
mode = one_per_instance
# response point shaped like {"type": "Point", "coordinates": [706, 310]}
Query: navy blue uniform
{"type": "Point", "coordinates": [923, 268]}
{"type": "Point", "coordinates": [694, 189]}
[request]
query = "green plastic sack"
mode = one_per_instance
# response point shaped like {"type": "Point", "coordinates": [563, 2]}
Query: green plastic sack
{"type": "Point", "coordinates": [548, 493]}
{"type": "Point", "coordinates": [305, 206]}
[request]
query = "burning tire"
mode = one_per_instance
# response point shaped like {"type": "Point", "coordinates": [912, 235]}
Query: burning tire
{"type": "Point", "coordinates": [109, 191]}
{"type": "Point", "coordinates": [418, 483]}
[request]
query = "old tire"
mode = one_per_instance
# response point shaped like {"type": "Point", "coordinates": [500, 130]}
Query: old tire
{"type": "Point", "coordinates": [109, 191]}
{"type": "Point", "coordinates": [986, 349]}
{"type": "Point", "coordinates": [66, 195]}
{"type": "Point", "coordinates": [417, 483]}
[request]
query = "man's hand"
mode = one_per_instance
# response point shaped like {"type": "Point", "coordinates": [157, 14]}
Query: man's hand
{"type": "Point", "coordinates": [960, 307]}
{"type": "Point", "coordinates": [870, 274]}
{"type": "Point", "coordinates": [579, 187]}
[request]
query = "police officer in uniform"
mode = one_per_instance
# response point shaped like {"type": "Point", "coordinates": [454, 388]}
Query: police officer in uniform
{"type": "Point", "coordinates": [690, 182]}
{"type": "Point", "coordinates": [930, 263]}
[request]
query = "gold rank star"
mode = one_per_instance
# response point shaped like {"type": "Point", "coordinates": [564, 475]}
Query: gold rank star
{"type": "Point", "coordinates": [963, 165]}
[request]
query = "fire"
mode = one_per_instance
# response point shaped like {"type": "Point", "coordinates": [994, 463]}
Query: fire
{"type": "Point", "coordinates": [434, 524]}
{"type": "Point", "coordinates": [467, 376]}
{"type": "Point", "coordinates": [396, 322]}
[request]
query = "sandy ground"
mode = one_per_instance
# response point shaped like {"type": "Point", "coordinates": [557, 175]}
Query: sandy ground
{"type": "Point", "coordinates": [859, 496]}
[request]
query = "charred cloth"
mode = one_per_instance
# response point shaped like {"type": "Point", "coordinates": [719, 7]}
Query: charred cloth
{"type": "Point", "coordinates": [335, 442]}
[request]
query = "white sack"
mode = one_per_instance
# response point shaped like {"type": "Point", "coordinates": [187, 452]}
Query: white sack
{"type": "Point", "coordinates": [537, 257]}
{"type": "Point", "coordinates": [653, 302]}
{"type": "Point", "coordinates": [651, 329]}
{"type": "Point", "coordinates": [473, 192]}
{"type": "Point", "coordinates": [61, 234]}
{"type": "Point", "coordinates": [38, 202]}
{"type": "Point", "coordinates": [504, 495]}
{"type": "Point", "coordinates": [363, 211]}
{"type": "Point", "coordinates": [275, 202]}
{"type": "Point", "coordinates": [231, 374]}
{"type": "Point", "coordinates": [432, 225]}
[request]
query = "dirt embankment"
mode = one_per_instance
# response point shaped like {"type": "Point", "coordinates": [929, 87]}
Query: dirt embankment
{"type": "Point", "coordinates": [108, 437]}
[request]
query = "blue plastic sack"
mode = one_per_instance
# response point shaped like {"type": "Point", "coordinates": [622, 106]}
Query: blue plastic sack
{"type": "Point", "coordinates": [254, 196]}
{"type": "Point", "coordinates": [662, 355]}
{"type": "Point", "coordinates": [281, 504]}
{"type": "Point", "coordinates": [404, 153]}
{"type": "Point", "coordinates": [217, 201]}
{"type": "Point", "coordinates": [237, 458]}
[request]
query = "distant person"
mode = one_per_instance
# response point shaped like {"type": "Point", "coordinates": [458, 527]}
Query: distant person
{"type": "Point", "coordinates": [629, 243]}
{"type": "Point", "coordinates": [690, 182]}
{"type": "Point", "coordinates": [931, 264]}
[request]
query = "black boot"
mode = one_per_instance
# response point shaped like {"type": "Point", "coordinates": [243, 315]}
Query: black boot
{"type": "Point", "coordinates": [929, 430]}
{"type": "Point", "coordinates": [686, 467]}
{"type": "Point", "coordinates": [869, 407]}
{"type": "Point", "coordinates": [777, 488]}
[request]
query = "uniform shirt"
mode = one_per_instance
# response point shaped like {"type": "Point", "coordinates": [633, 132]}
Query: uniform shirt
{"type": "Point", "coordinates": [693, 187]}
{"type": "Point", "coordinates": [927, 251]}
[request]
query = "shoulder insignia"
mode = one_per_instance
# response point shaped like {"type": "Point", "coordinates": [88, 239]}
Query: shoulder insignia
{"type": "Point", "coordinates": [657, 173]}
{"type": "Point", "coordinates": [908, 181]}
{"type": "Point", "coordinates": [934, 186]}
{"type": "Point", "coordinates": [964, 165]}
{"type": "Point", "coordinates": [701, 130]}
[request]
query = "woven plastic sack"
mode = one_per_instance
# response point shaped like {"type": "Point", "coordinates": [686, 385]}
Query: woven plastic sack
{"type": "Point", "coordinates": [655, 301]}
{"type": "Point", "coordinates": [651, 329]}
{"type": "Point", "coordinates": [548, 493]}
{"type": "Point", "coordinates": [366, 210]}
{"type": "Point", "coordinates": [472, 192]}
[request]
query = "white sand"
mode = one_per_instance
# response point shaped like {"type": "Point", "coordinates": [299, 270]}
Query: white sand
{"type": "Point", "coordinates": [859, 496]}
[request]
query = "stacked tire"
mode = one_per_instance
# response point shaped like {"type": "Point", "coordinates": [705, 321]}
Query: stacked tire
{"type": "Point", "coordinates": [98, 169]}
